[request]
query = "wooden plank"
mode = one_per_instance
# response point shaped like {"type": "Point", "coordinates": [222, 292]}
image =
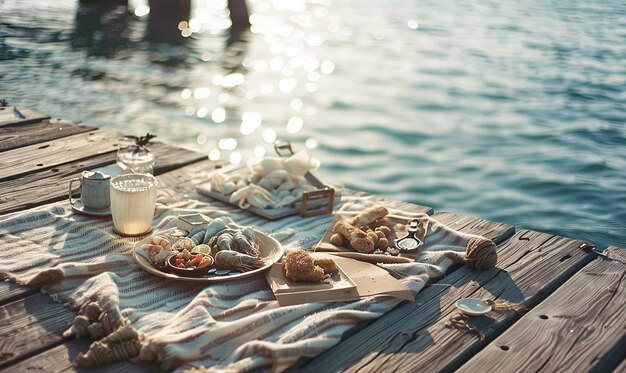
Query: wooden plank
{"type": "Point", "coordinates": [169, 158]}
{"type": "Point", "coordinates": [50, 184]}
{"type": "Point", "coordinates": [184, 179]}
{"type": "Point", "coordinates": [10, 292]}
{"type": "Point", "coordinates": [397, 204]}
{"type": "Point", "coordinates": [9, 116]}
{"type": "Point", "coordinates": [29, 159]}
{"type": "Point", "coordinates": [61, 359]}
{"type": "Point", "coordinates": [31, 325]}
{"type": "Point", "coordinates": [530, 266]}
{"type": "Point", "coordinates": [34, 133]}
{"type": "Point", "coordinates": [580, 327]}
{"type": "Point", "coordinates": [621, 368]}
{"type": "Point", "coordinates": [497, 232]}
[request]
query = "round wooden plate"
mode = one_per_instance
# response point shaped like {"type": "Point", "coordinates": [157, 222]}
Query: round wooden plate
{"type": "Point", "coordinates": [268, 246]}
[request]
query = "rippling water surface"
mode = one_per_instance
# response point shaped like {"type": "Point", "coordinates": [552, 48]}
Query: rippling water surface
{"type": "Point", "coordinates": [513, 111]}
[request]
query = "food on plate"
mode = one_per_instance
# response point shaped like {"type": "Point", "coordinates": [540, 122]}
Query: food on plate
{"type": "Point", "coordinates": [327, 264]}
{"type": "Point", "coordinates": [221, 243]}
{"type": "Point", "coordinates": [369, 216]}
{"type": "Point", "coordinates": [336, 239]}
{"type": "Point", "coordinates": [368, 232]}
{"type": "Point", "coordinates": [158, 251]}
{"type": "Point", "coordinates": [184, 243]}
{"type": "Point", "coordinates": [356, 237]}
{"type": "Point", "coordinates": [233, 260]}
{"type": "Point", "coordinates": [298, 265]}
{"type": "Point", "coordinates": [202, 248]}
{"type": "Point", "coordinates": [272, 182]}
{"type": "Point", "coordinates": [187, 260]}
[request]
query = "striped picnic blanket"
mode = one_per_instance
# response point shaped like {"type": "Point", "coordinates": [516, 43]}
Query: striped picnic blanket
{"type": "Point", "coordinates": [234, 326]}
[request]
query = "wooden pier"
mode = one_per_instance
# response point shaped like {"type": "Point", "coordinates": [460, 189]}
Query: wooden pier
{"type": "Point", "coordinates": [576, 298]}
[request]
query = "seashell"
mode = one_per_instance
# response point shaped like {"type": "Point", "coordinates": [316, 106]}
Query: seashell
{"type": "Point", "coordinates": [212, 242]}
{"type": "Point", "coordinates": [176, 235]}
{"type": "Point", "coordinates": [194, 230]}
{"type": "Point", "coordinates": [234, 260]}
{"type": "Point", "coordinates": [198, 236]}
{"type": "Point", "coordinates": [184, 243]}
{"type": "Point", "coordinates": [225, 242]}
{"type": "Point", "coordinates": [156, 253]}
{"type": "Point", "coordinates": [162, 241]}
{"type": "Point", "coordinates": [212, 228]}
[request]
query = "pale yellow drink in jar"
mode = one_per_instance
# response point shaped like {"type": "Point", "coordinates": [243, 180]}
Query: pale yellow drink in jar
{"type": "Point", "coordinates": [133, 200]}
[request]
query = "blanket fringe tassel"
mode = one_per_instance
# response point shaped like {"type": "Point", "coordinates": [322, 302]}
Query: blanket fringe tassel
{"type": "Point", "coordinates": [114, 342]}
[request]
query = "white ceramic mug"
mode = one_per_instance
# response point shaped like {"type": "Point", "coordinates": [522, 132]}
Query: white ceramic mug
{"type": "Point", "coordinates": [94, 190]}
{"type": "Point", "coordinates": [133, 200]}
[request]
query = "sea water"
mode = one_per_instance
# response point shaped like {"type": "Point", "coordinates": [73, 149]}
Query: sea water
{"type": "Point", "coordinates": [512, 111]}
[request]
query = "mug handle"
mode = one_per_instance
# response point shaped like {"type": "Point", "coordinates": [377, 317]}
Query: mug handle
{"type": "Point", "coordinates": [72, 202]}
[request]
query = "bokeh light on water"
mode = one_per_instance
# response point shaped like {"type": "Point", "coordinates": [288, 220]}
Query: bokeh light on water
{"type": "Point", "coordinates": [512, 111]}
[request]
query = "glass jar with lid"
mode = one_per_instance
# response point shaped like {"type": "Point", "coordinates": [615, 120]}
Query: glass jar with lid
{"type": "Point", "coordinates": [135, 157]}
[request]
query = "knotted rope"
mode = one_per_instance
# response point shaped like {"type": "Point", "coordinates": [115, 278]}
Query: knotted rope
{"type": "Point", "coordinates": [481, 253]}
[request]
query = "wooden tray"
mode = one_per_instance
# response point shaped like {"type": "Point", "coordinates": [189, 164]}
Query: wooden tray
{"type": "Point", "coordinates": [288, 293]}
{"type": "Point", "coordinates": [317, 202]}
{"type": "Point", "coordinates": [399, 228]}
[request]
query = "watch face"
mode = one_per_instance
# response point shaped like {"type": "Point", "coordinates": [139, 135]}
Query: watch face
{"type": "Point", "coordinates": [408, 243]}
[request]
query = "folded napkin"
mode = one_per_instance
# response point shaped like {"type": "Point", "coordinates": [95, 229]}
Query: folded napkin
{"type": "Point", "coordinates": [227, 326]}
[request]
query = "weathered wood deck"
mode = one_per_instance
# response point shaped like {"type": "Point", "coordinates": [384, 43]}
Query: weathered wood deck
{"type": "Point", "coordinates": [576, 298]}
